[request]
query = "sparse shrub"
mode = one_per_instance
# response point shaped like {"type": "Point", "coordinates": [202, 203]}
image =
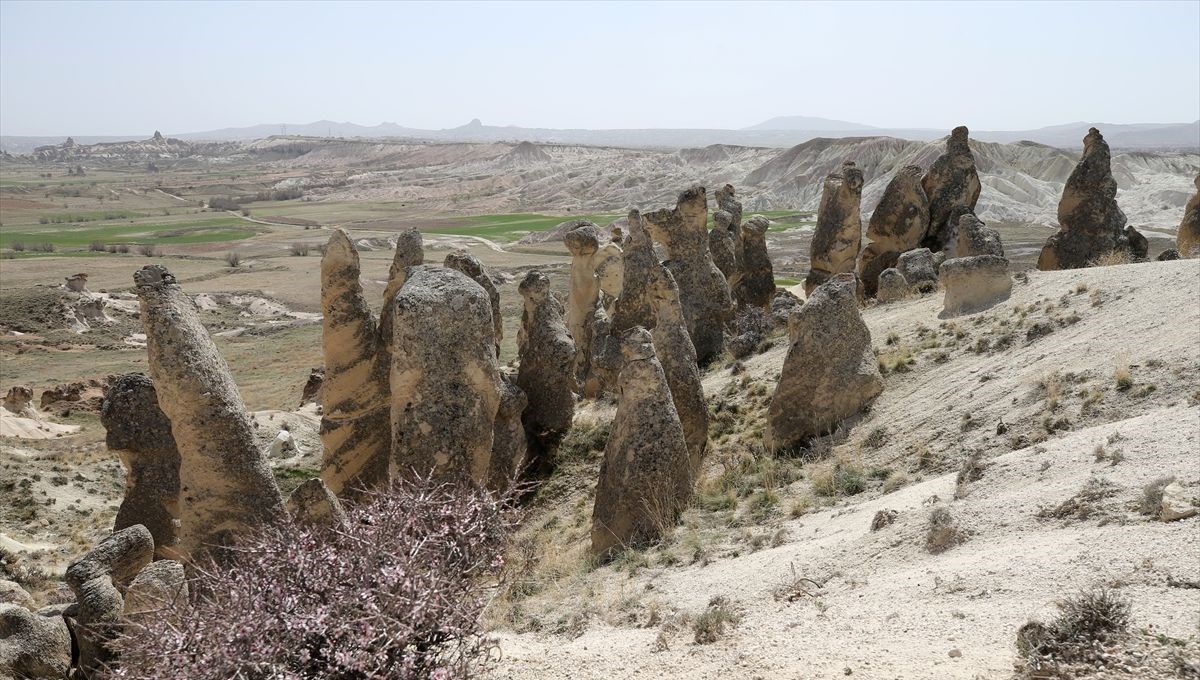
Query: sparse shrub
{"type": "Point", "coordinates": [716, 619]}
{"type": "Point", "coordinates": [842, 478]}
{"type": "Point", "coordinates": [944, 532]}
{"type": "Point", "coordinates": [876, 438]}
{"type": "Point", "coordinates": [971, 471]}
{"type": "Point", "coordinates": [583, 442]}
{"type": "Point", "coordinates": [96, 246]}
{"type": "Point", "coordinates": [123, 249]}
{"type": "Point", "coordinates": [233, 259]}
{"type": "Point", "coordinates": [1084, 504]}
{"type": "Point", "coordinates": [44, 247]}
{"type": "Point", "coordinates": [883, 518]}
{"type": "Point", "coordinates": [299, 249]}
{"type": "Point", "coordinates": [148, 250]}
{"type": "Point", "coordinates": [1123, 377]}
{"type": "Point", "coordinates": [223, 203]}
{"type": "Point", "coordinates": [397, 591]}
{"type": "Point", "coordinates": [1111, 258]}
{"type": "Point", "coordinates": [1086, 621]}
{"type": "Point", "coordinates": [245, 212]}
{"type": "Point", "coordinates": [18, 246]}
{"type": "Point", "coordinates": [1150, 502]}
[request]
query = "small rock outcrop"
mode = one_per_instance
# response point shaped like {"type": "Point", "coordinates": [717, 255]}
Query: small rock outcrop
{"type": "Point", "coordinates": [445, 382]}
{"type": "Point", "coordinates": [311, 393]}
{"type": "Point", "coordinates": [917, 268]}
{"type": "Point", "coordinates": [32, 645]}
{"type": "Point", "coordinates": [1091, 225]}
{"type": "Point", "coordinates": [897, 225]}
{"type": "Point", "coordinates": [99, 581]}
{"type": "Point", "coordinates": [76, 283]}
{"type": "Point", "coordinates": [355, 416]}
{"type": "Point", "coordinates": [159, 587]}
{"type": "Point", "coordinates": [313, 503]}
{"type": "Point", "coordinates": [1187, 241]}
{"type": "Point", "coordinates": [225, 483]}
{"type": "Point", "coordinates": [675, 352]}
{"type": "Point", "coordinates": [509, 445]}
{"type": "Point", "coordinates": [634, 307]}
{"type": "Point", "coordinates": [19, 401]}
{"type": "Point", "coordinates": [729, 216]}
{"type": "Point", "coordinates": [645, 478]}
{"type": "Point", "coordinates": [830, 372]}
{"type": "Point", "coordinates": [971, 237]}
{"type": "Point", "coordinates": [838, 235]}
{"type": "Point", "coordinates": [707, 303]}
{"type": "Point", "coordinates": [974, 284]}
{"type": "Point", "coordinates": [547, 354]}
{"type": "Point", "coordinates": [756, 284]}
{"type": "Point", "coordinates": [140, 433]}
{"type": "Point", "coordinates": [11, 592]}
{"type": "Point", "coordinates": [892, 286]}
{"type": "Point", "coordinates": [471, 266]}
{"type": "Point", "coordinates": [952, 181]}
{"type": "Point", "coordinates": [782, 305]}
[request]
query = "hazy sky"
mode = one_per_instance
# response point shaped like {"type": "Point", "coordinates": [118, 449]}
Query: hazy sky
{"type": "Point", "coordinates": [122, 68]}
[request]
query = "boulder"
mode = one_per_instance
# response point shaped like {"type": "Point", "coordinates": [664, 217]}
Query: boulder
{"type": "Point", "coordinates": [1091, 224]}
{"type": "Point", "coordinates": [971, 237]}
{"type": "Point", "coordinates": [897, 225]}
{"type": "Point", "coordinates": [509, 444]}
{"type": "Point", "coordinates": [471, 266]}
{"type": "Point", "coordinates": [1188, 239]}
{"type": "Point", "coordinates": [645, 477]}
{"type": "Point", "coordinates": [158, 588]}
{"type": "Point", "coordinates": [19, 402]}
{"type": "Point", "coordinates": [974, 284]}
{"type": "Point", "coordinates": [916, 266]}
{"type": "Point", "coordinates": [707, 303]}
{"type": "Point", "coordinates": [1139, 246]}
{"type": "Point", "coordinates": [756, 285]}
{"type": "Point", "coordinates": [952, 181]}
{"type": "Point", "coordinates": [313, 503]}
{"type": "Point", "coordinates": [76, 283]}
{"type": "Point", "coordinates": [140, 434]}
{"type": "Point", "coordinates": [1177, 503]}
{"type": "Point", "coordinates": [33, 646]}
{"type": "Point", "coordinates": [445, 382]}
{"type": "Point", "coordinates": [355, 408]}
{"type": "Point", "coordinates": [1168, 255]}
{"type": "Point", "coordinates": [311, 394]}
{"type": "Point", "coordinates": [547, 353]}
{"type": "Point", "coordinates": [892, 286]}
{"type": "Point", "coordinates": [225, 483]}
{"type": "Point", "coordinates": [782, 306]}
{"type": "Point", "coordinates": [11, 592]}
{"type": "Point", "coordinates": [830, 372]}
{"type": "Point", "coordinates": [838, 235]}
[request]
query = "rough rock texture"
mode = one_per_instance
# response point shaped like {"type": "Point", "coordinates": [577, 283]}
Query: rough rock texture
{"type": "Point", "coordinates": [756, 285]}
{"type": "Point", "coordinates": [1168, 255]}
{"type": "Point", "coordinates": [838, 235]}
{"type": "Point", "coordinates": [952, 181]}
{"type": "Point", "coordinates": [32, 645]}
{"type": "Point", "coordinates": [76, 283]}
{"type": "Point", "coordinates": [892, 286]}
{"type": "Point", "coordinates": [645, 478]}
{"type": "Point", "coordinates": [707, 304]}
{"type": "Point", "coordinates": [225, 482]}
{"type": "Point", "coordinates": [897, 225]}
{"type": "Point", "coordinates": [99, 580]}
{"type": "Point", "coordinates": [728, 205]}
{"type": "Point", "coordinates": [1188, 239]}
{"type": "Point", "coordinates": [140, 433]}
{"type": "Point", "coordinates": [160, 586]}
{"type": "Point", "coordinates": [970, 237]}
{"type": "Point", "coordinates": [974, 284]}
{"type": "Point", "coordinates": [1139, 246]}
{"type": "Point", "coordinates": [81, 395]}
{"type": "Point", "coordinates": [1176, 503]}
{"type": "Point", "coordinates": [722, 247]}
{"type": "Point", "coordinates": [311, 394]}
{"type": "Point", "coordinates": [677, 356]}
{"type": "Point", "coordinates": [313, 503]}
{"type": "Point", "coordinates": [445, 382]}
{"type": "Point", "coordinates": [355, 418]}
{"type": "Point", "coordinates": [782, 306]}
{"type": "Point", "coordinates": [830, 372]}
{"type": "Point", "coordinates": [1090, 222]}
{"type": "Point", "coordinates": [471, 266]}
{"type": "Point", "coordinates": [19, 401]}
{"type": "Point", "coordinates": [547, 354]}
{"type": "Point", "coordinates": [916, 266]}
{"type": "Point", "coordinates": [509, 444]}
{"type": "Point", "coordinates": [605, 359]}
{"type": "Point", "coordinates": [11, 592]}
{"type": "Point", "coordinates": [597, 272]}
{"type": "Point", "coordinates": [634, 308]}
{"type": "Point", "coordinates": [409, 252]}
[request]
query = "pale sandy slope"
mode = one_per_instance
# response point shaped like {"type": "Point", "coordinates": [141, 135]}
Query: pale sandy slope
{"type": "Point", "coordinates": [889, 608]}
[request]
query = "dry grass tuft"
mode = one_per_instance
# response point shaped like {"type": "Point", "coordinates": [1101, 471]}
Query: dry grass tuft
{"type": "Point", "coordinates": [716, 620]}
{"type": "Point", "coordinates": [944, 532]}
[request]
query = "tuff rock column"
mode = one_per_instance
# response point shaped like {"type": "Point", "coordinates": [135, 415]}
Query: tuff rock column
{"type": "Point", "coordinates": [471, 266]}
{"type": "Point", "coordinates": [838, 235]}
{"type": "Point", "coordinates": [756, 285]}
{"type": "Point", "coordinates": [545, 375]}
{"type": "Point", "coordinates": [673, 346]}
{"type": "Point", "coordinates": [1188, 238]}
{"type": "Point", "coordinates": [583, 242]}
{"type": "Point", "coordinates": [897, 225]}
{"type": "Point", "coordinates": [952, 181]}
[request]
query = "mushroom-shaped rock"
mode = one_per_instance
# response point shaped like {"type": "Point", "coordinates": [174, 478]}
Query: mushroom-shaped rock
{"type": "Point", "coordinates": [897, 225]}
{"type": "Point", "coordinates": [99, 580]}
{"type": "Point", "coordinates": [756, 285]}
{"type": "Point", "coordinates": [675, 352]}
{"type": "Point", "coordinates": [313, 503]}
{"type": "Point", "coordinates": [140, 433]}
{"type": "Point", "coordinates": [1188, 238]}
{"type": "Point", "coordinates": [33, 646]}
{"type": "Point", "coordinates": [19, 402]}
{"type": "Point", "coordinates": [583, 241]}
{"type": "Point", "coordinates": [1090, 223]}
{"type": "Point", "coordinates": [952, 181]}
{"type": "Point", "coordinates": [645, 478]}
{"type": "Point", "coordinates": [547, 354]}
{"type": "Point", "coordinates": [970, 237]}
{"type": "Point", "coordinates": [225, 483]}
{"type": "Point", "coordinates": [974, 284]}
{"type": "Point", "coordinates": [471, 266]}
{"type": "Point", "coordinates": [158, 588]}
{"type": "Point", "coordinates": [355, 416]}
{"type": "Point", "coordinates": [892, 286]}
{"type": "Point", "coordinates": [830, 372]}
{"type": "Point", "coordinates": [509, 444]}
{"type": "Point", "coordinates": [445, 384]}
{"type": "Point", "coordinates": [728, 204]}
{"type": "Point", "coordinates": [838, 235]}
{"type": "Point", "coordinates": [707, 304]}
{"type": "Point", "coordinates": [916, 266]}
{"type": "Point", "coordinates": [721, 246]}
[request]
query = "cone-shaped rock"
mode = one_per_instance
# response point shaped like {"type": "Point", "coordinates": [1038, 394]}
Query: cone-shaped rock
{"type": "Point", "coordinates": [952, 181]}
{"type": "Point", "coordinates": [584, 295]}
{"type": "Point", "coordinates": [756, 285]}
{"type": "Point", "coordinates": [897, 225]}
{"type": "Point", "coordinates": [471, 266]}
{"type": "Point", "coordinates": [634, 307]}
{"type": "Point", "coordinates": [675, 352]}
{"type": "Point", "coordinates": [509, 444]}
{"type": "Point", "coordinates": [1188, 239]}
{"type": "Point", "coordinates": [545, 375]}
{"type": "Point", "coordinates": [838, 234]}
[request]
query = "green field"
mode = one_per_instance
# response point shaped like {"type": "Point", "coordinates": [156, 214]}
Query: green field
{"type": "Point", "coordinates": [190, 231]}
{"type": "Point", "coordinates": [512, 226]}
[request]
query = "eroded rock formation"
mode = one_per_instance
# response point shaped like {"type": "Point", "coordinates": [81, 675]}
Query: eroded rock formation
{"type": "Point", "coordinates": [634, 307]}
{"type": "Point", "coordinates": [892, 286]}
{"type": "Point", "coordinates": [159, 586]}
{"type": "Point", "coordinates": [830, 372]}
{"type": "Point", "coordinates": [952, 181]}
{"type": "Point", "coordinates": [897, 225]}
{"type": "Point", "coordinates": [756, 284]}
{"type": "Point", "coordinates": [596, 268]}
{"type": "Point", "coordinates": [723, 249]}
{"type": "Point", "coordinates": [1091, 224]}
{"type": "Point", "coordinates": [707, 303]}
{"type": "Point", "coordinates": [917, 268]}
{"type": "Point", "coordinates": [675, 352]}
{"type": "Point", "coordinates": [838, 234]}
{"type": "Point", "coordinates": [225, 482]}
{"type": "Point", "coordinates": [471, 266]}
{"type": "Point", "coordinates": [974, 284]}
{"type": "Point", "coordinates": [1188, 238]}
{"type": "Point", "coordinates": [314, 503]}
{"type": "Point", "coordinates": [547, 354]}
{"type": "Point", "coordinates": [645, 478]}
{"type": "Point", "coordinates": [33, 645]}
{"type": "Point", "coordinates": [355, 421]}
{"type": "Point", "coordinates": [971, 237]}
{"type": "Point", "coordinates": [509, 444]}
{"type": "Point", "coordinates": [140, 433]}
